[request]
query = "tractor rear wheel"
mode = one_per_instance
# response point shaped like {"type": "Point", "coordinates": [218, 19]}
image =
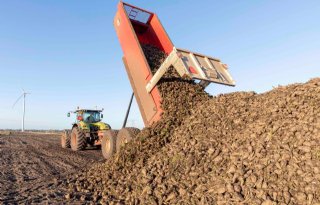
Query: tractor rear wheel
{"type": "Point", "coordinates": [78, 139]}
{"type": "Point", "coordinates": [125, 135]}
{"type": "Point", "coordinates": [108, 143]}
{"type": "Point", "coordinates": [65, 139]}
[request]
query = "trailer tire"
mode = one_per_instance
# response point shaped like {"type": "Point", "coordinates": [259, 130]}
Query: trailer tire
{"type": "Point", "coordinates": [125, 135]}
{"type": "Point", "coordinates": [108, 143]}
{"type": "Point", "coordinates": [65, 139]}
{"type": "Point", "coordinates": [78, 139]}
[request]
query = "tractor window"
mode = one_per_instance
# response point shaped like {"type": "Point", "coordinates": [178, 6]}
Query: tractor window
{"type": "Point", "coordinates": [91, 117]}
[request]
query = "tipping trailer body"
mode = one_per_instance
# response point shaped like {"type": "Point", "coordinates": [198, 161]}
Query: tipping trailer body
{"type": "Point", "coordinates": [134, 27]}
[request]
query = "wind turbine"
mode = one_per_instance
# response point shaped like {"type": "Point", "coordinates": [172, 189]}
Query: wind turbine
{"type": "Point", "coordinates": [24, 94]}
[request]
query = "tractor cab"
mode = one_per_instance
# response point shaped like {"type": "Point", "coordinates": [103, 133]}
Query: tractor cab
{"type": "Point", "coordinates": [89, 120]}
{"type": "Point", "coordinates": [89, 116]}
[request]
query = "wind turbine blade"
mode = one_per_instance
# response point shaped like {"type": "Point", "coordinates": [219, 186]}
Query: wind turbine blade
{"type": "Point", "coordinates": [17, 101]}
{"type": "Point", "coordinates": [23, 90]}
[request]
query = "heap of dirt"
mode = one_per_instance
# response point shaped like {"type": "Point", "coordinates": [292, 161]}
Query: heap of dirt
{"type": "Point", "coordinates": [239, 147]}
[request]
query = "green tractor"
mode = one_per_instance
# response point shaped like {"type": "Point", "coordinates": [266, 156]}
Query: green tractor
{"type": "Point", "coordinates": [90, 131]}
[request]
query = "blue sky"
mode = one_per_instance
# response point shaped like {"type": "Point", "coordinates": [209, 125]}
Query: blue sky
{"type": "Point", "coordinates": [66, 53]}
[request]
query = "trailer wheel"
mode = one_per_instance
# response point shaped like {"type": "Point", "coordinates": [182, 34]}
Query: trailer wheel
{"type": "Point", "coordinates": [65, 139]}
{"type": "Point", "coordinates": [108, 143]}
{"type": "Point", "coordinates": [78, 139]}
{"type": "Point", "coordinates": [125, 135]}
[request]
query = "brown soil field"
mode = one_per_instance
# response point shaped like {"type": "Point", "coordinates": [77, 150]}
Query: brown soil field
{"type": "Point", "coordinates": [32, 163]}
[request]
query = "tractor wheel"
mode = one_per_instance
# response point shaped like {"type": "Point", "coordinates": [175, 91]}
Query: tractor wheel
{"type": "Point", "coordinates": [78, 139]}
{"type": "Point", "coordinates": [125, 135]}
{"type": "Point", "coordinates": [65, 139]}
{"type": "Point", "coordinates": [108, 143]}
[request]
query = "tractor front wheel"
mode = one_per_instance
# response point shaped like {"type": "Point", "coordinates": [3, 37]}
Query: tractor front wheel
{"type": "Point", "coordinates": [108, 143]}
{"type": "Point", "coordinates": [78, 139]}
{"type": "Point", "coordinates": [65, 139]}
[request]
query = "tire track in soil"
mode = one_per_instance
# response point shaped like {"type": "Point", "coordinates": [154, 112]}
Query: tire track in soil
{"type": "Point", "coordinates": [7, 186]}
{"type": "Point", "coordinates": [31, 164]}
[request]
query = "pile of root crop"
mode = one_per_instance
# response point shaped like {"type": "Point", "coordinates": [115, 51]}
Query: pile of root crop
{"type": "Point", "coordinates": [236, 148]}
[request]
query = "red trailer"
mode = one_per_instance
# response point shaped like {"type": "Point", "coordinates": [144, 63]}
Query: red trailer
{"type": "Point", "coordinates": [135, 27]}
